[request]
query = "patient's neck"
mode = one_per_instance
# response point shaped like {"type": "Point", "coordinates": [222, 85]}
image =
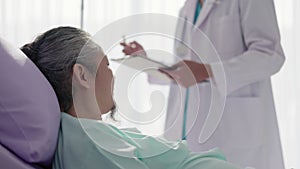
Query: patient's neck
{"type": "Point", "coordinates": [79, 113]}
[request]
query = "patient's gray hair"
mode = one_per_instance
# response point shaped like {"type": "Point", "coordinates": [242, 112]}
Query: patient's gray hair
{"type": "Point", "coordinates": [55, 52]}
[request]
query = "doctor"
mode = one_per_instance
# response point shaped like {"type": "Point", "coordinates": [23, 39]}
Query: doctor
{"type": "Point", "coordinates": [246, 36]}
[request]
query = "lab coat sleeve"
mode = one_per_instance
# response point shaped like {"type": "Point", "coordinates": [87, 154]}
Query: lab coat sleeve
{"type": "Point", "coordinates": [263, 56]}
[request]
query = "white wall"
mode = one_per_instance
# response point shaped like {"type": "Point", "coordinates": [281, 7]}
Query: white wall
{"type": "Point", "coordinates": [286, 84]}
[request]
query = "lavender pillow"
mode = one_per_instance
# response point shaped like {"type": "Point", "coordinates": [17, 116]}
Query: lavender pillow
{"type": "Point", "coordinates": [29, 110]}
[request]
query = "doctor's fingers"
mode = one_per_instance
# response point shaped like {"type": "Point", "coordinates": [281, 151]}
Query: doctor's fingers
{"type": "Point", "coordinates": [184, 64]}
{"type": "Point", "coordinates": [124, 44]}
{"type": "Point", "coordinates": [128, 51]}
{"type": "Point", "coordinates": [169, 73]}
{"type": "Point", "coordinates": [179, 77]}
{"type": "Point", "coordinates": [133, 45]}
{"type": "Point", "coordinates": [133, 48]}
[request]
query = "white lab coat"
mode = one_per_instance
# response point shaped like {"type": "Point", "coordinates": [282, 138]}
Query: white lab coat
{"type": "Point", "coordinates": [246, 37]}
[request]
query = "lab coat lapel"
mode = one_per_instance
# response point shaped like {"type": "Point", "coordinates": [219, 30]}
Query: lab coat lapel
{"type": "Point", "coordinates": [190, 11]}
{"type": "Point", "coordinates": [206, 8]}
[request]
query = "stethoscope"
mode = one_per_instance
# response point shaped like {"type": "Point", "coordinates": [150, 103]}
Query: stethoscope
{"type": "Point", "coordinates": [182, 50]}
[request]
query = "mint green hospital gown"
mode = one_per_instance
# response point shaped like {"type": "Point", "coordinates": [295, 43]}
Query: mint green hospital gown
{"type": "Point", "coordinates": [91, 144]}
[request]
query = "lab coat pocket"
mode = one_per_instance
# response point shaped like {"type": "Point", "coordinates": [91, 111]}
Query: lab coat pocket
{"type": "Point", "coordinates": [243, 120]}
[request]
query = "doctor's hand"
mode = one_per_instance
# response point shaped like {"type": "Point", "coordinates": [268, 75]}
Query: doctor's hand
{"type": "Point", "coordinates": [133, 49]}
{"type": "Point", "coordinates": [188, 73]}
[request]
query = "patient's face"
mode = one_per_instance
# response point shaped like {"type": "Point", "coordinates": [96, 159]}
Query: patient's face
{"type": "Point", "coordinates": [104, 85]}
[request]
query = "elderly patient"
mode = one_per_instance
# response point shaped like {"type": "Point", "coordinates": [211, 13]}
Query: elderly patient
{"type": "Point", "coordinates": [78, 70]}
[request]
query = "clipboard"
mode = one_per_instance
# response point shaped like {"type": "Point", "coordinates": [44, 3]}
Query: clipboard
{"type": "Point", "coordinates": [146, 65]}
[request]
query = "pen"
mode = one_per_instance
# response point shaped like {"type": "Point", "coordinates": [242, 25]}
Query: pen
{"type": "Point", "coordinates": [124, 39]}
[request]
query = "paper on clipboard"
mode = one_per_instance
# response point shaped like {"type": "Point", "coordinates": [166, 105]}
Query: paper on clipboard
{"type": "Point", "coordinates": [146, 65]}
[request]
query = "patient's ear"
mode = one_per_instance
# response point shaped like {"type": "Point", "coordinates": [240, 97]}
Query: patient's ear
{"type": "Point", "coordinates": [81, 76]}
